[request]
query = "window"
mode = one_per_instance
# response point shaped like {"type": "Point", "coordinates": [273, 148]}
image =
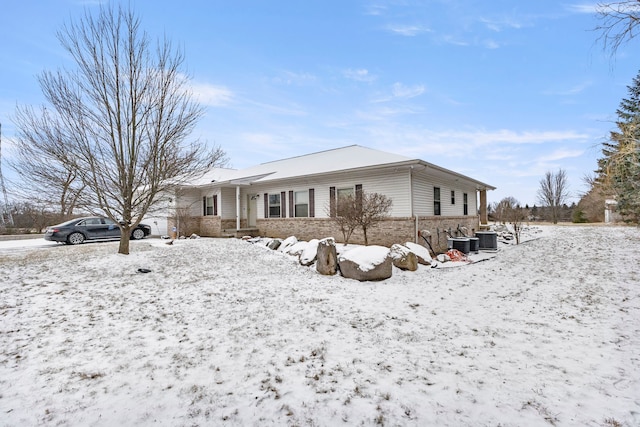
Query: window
{"type": "Point", "coordinates": [465, 204]}
{"type": "Point", "coordinates": [453, 197]}
{"type": "Point", "coordinates": [274, 205]}
{"type": "Point", "coordinates": [210, 205]}
{"type": "Point", "coordinates": [436, 200]}
{"type": "Point", "coordinates": [344, 194]}
{"type": "Point", "coordinates": [301, 200]}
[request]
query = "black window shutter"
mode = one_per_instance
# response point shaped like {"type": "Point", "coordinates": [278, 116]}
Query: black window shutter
{"type": "Point", "coordinates": [204, 206]}
{"type": "Point", "coordinates": [283, 204]}
{"type": "Point", "coordinates": [215, 205]}
{"type": "Point", "coordinates": [312, 203]}
{"type": "Point", "coordinates": [359, 196]}
{"type": "Point", "coordinates": [332, 201]}
{"type": "Point", "coordinates": [291, 205]}
{"type": "Point", "coordinates": [266, 205]}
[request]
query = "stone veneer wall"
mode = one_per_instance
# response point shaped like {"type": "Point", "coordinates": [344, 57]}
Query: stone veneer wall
{"type": "Point", "coordinates": [210, 226]}
{"type": "Point", "coordinates": [187, 227]}
{"type": "Point", "coordinates": [230, 224]}
{"type": "Point", "coordinates": [385, 233]}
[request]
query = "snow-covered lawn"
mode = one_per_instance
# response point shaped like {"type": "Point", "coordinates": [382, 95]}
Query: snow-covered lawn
{"type": "Point", "coordinates": [224, 332]}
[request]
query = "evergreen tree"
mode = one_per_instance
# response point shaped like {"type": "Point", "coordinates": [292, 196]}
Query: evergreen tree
{"type": "Point", "coordinates": [619, 169]}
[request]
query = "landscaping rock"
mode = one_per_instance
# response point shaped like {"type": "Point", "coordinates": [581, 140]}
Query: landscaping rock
{"type": "Point", "coordinates": [366, 263]}
{"type": "Point", "coordinates": [310, 252]}
{"type": "Point", "coordinates": [403, 258]}
{"type": "Point", "coordinates": [443, 258]}
{"type": "Point", "coordinates": [327, 258]}
{"type": "Point", "coordinates": [286, 243]}
{"type": "Point", "coordinates": [274, 244]}
{"type": "Point", "coordinates": [424, 257]}
{"type": "Point", "coordinates": [296, 249]}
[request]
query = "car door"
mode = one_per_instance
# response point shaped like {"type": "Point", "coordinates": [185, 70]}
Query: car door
{"type": "Point", "coordinates": [93, 228]}
{"type": "Point", "coordinates": [112, 230]}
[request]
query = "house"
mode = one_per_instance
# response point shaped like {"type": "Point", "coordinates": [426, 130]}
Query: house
{"type": "Point", "coordinates": [295, 196]}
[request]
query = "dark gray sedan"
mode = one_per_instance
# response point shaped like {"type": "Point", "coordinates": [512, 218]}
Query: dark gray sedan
{"type": "Point", "coordinates": [78, 230]}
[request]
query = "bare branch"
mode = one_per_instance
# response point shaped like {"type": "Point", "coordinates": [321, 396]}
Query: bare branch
{"type": "Point", "coordinates": [122, 116]}
{"type": "Point", "coordinates": [618, 23]}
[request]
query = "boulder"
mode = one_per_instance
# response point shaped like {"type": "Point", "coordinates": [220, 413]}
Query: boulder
{"type": "Point", "coordinates": [289, 241]}
{"type": "Point", "coordinates": [310, 252]}
{"type": "Point", "coordinates": [443, 258]}
{"type": "Point", "coordinates": [403, 258]}
{"type": "Point", "coordinates": [274, 244]}
{"type": "Point", "coordinates": [424, 257]}
{"type": "Point", "coordinates": [296, 249]}
{"type": "Point", "coordinates": [327, 258]}
{"type": "Point", "coordinates": [366, 263]}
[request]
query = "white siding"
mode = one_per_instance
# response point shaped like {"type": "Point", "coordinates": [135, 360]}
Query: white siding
{"type": "Point", "coordinates": [227, 203]}
{"type": "Point", "coordinates": [395, 183]}
{"type": "Point", "coordinates": [423, 186]}
{"type": "Point", "coordinates": [392, 183]}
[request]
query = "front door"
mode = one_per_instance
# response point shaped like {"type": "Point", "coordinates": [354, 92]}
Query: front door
{"type": "Point", "coordinates": [252, 210]}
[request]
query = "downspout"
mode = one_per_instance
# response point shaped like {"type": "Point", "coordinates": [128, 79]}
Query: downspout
{"type": "Point", "coordinates": [415, 231]}
{"type": "Point", "coordinates": [237, 208]}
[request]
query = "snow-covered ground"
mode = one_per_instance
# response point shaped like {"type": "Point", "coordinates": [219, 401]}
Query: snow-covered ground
{"type": "Point", "coordinates": [224, 332]}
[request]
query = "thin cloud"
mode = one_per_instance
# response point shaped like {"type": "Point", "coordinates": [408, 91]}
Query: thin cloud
{"type": "Point", "coordinates": [506, 136]}
{"type": "Point", "coordinates": [276, 109]}
{"type": "Point", "coordinates": [499, 25]}
{"type": "Point", "coordinates": [561, 154]}
{"type": "Point", "coordinates": [297, 79]}
{"type": "Point", "coordinates": [360, 75]}
{"type": "Point", "coordinates": [408, 30]}
{"type": "Point", "coordinates": [375, 9]}
{"type": "Point", "coordinates": [491, 44]}
{"type": "Point", "coordinates": [588, 8]}
{"type": "Point", "coordinates": [449, 39]}
{"type": "Point", "coordinates": [575, 90]}
{"type": "Point", "coordinates": [401, 91]}
{"type": "Point", "coordinates": [211, 95]}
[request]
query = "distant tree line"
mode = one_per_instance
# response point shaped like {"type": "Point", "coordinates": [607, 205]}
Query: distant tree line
{"type": "Point", "coordinates": [500, 212]}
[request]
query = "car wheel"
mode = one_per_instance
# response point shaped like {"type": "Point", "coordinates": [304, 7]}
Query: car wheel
{"type": "Point", "coordinates": [137, 234]}
{"type": "Point", "coordinates": [75, 238]}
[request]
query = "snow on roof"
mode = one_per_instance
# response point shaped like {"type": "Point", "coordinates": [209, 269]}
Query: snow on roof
{"type": "Point", "coordinates": [335, 160]}
{"type": "Point", "coordinates": [350, 157]}
{"type": "Point", "coordinates": [339, 159]}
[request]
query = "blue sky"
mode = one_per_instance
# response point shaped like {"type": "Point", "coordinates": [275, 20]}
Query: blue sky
{"type": "Point", "coordinates": [501, 91]}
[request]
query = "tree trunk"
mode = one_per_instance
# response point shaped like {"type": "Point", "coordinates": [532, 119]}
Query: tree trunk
{"type": "Point", "coordinates": [124, 240]}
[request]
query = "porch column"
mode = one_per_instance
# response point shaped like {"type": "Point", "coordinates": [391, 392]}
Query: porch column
{"type": "Point", "coordinates": [484, 218]}
{"type": "Point", "coordinates": [237, 207]}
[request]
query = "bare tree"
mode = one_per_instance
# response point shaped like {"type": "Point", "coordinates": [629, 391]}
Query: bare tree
{"type": "Point", "coordinates": [41, 162]}
{"type": "Point", "coordinates": [123, 116]}
{"type": "Point", "coordinates": [374, 207]}
{"type": "Point", "coordinates": [553, 192]}
{"type": "Point", "coordinates": [618, 22]}
{"type": "Point", "coordinates": [514, 214]}
{"type": "Point", "coordinates": [360, 210]}
{"type": "Point", "coordinates": [345, 216]}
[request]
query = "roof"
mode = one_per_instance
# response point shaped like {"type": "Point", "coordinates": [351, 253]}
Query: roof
{"type": "Point", "coordinates": [350, 158]}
